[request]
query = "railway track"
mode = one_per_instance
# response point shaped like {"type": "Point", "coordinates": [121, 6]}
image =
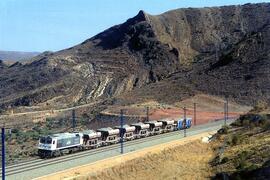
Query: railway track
{"type": "Point", "coordinates": [38, 163]}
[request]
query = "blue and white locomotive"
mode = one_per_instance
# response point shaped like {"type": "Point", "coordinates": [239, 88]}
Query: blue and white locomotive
{"type": "Point", "coordinates": [58, 144]}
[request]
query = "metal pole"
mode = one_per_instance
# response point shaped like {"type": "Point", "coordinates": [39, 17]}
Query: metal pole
{"type": "Point", "coordinates": [224, 113]}
{"type": "Point", "coordinates": [227, 109]}
{"type": "Point", "coordinates": [195, 114]}
{"type": "Point", "coordinates": [122, 134]}
{"type": "Point", "coordinates": [3, 154]}
{"type": "Point", "coordinates": [73, 119]}
{"type": "Point", "coordinates": [147, 113]}
{"type": "Point", "coordinates": [185, 122]}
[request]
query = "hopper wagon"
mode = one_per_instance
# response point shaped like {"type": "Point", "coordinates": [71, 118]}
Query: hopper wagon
{"type": "Point", "coordinates": [141, 129]}
{"type": "Point", "coordinates": [127, 132]}
{"type": "Point", "coordinates": [168, 125]}
{"type": "Point", "coordinates": [155, 127]}
{"type": "Point", "coordinates": [91, 139]}
{"type": "Point", "coordinates": [109, 135]}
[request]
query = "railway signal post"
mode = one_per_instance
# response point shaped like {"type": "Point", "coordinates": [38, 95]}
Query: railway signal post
{"type": "Point", "coordinates": [3, 154]}
{"type": "Point", "coordinates": [226, 110]}
{"type": "Point", "coordinates": [73, 119]}
{"type": "Point", "coordinates": [147, 113]}
{"type": "Point", "coordinates": [185, 122]}
{"type": "Point", "coordinates": [121, 133]}
{"type": "Point", "coordinates": [195, 104]}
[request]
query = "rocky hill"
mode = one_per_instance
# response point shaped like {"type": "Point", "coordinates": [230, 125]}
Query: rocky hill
{"type": "Point", "coordinates": [220, 51]}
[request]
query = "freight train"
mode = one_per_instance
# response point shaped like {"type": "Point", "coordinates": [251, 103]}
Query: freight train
{"type": "Point", "coordinates": [65, 143]}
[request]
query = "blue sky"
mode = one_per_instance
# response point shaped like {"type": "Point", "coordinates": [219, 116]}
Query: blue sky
{"type": "Point", "coordinates": [40, 25]}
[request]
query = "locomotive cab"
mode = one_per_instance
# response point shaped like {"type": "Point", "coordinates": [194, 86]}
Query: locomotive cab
{"type": "Point", "coordinates": [57, 144]}
{"type": "Point", "coordinates": [46, 146]}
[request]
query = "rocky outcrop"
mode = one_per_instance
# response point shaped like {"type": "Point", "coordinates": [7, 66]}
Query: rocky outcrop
{"type": "Point", "coordinates": [114, 61]}
{"type": "Point", "coordinates": [200, 32]}
{"type": "Point", "coordinates": [2, 64]}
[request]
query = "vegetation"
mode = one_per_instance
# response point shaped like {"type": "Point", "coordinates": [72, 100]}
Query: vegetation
{"type": "Point", "coordinates": [259, 107]}
{"type": "Point", "coordinates": [245, 148]}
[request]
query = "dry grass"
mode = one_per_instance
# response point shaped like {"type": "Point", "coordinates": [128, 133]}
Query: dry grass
{"type": "Point", "coordinates": [190, 161]}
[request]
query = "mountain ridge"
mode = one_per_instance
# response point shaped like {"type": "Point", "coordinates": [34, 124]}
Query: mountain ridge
{"type": "Point", "coordinates": [13, 56]}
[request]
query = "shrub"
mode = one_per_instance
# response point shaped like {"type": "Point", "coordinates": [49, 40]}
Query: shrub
{"type": "Point", "coordinates": [246, 122]}
{"type": "Point", "coordinates": [252, 167]}
{"type": "Point", "coordinates": [237, 123]}
{"type": "Point", "coordinates": [266, 126]}
{"type": "Point", "coordinates": [224, 160]}
{"type": "Point", "coordinates": [15, 130]}
{"type": "Point", "coordinates": [37, 129]}
{"type": "Point", "coordinates": [49, 122]}
{"type": "Point", "coordinates": [244, 155]}
{"type": "Point", "coordinates": [241, 162]}
{"type": "Point", "coordinates": [235, 139]}
{"type": "Point", "coordinates": [83, 121]}
{"type": "Point", "coordinates": [242, 165]}
{"type": "Point", "coordinates": [259, 107]}
{"type": "Point", "coordinates": [1, 111]}
{"type": "Point", "coordinates": [224, 129]}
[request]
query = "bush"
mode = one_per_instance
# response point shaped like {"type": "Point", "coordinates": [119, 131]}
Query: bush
{"type": "Point", "coordinates": [252, 167]}
{"type": "Point", "coordinates": [1, 111]}
{"type": "Point", "coordinates": [49, 122]}
{"type": "Point", "coordinates": [224, 129]}
{"type": "Point", "coordinates": [15, 131]}
{"type": "Point", "coordinates": [37, 129]}
{"type": "Point", "coordinates": [266, 126]}
{"type": "Point", "coordinates": [246, 123]}
{"type": "Point", "coordinates": [259, 107]}
{"type": "Point", "coordinates": [235, 139]}
{"type": "Point", "coordinates": [242, 165]}
{"type": "Point", "coordinates": [244, 155]}
{"type": "Point", "coordinates": [83, 121]}
{"type": "Point", "coordinates": [241, 161]}
{"type": "Point", "coordinates": [252, 120]}
{"type": "Point", "coordinates": [224, 160]}
{"type": "Point", "coordinates": [237, 123]}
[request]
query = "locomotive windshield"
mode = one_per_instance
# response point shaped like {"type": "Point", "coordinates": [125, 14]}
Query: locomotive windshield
{"type": "Point", "coordinates": [45, 140]}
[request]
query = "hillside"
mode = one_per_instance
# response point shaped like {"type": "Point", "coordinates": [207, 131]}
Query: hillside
{"type": "Point", "coordinates": [243, 152]}
{"type": "Point", "coordinates": [217, 51]}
